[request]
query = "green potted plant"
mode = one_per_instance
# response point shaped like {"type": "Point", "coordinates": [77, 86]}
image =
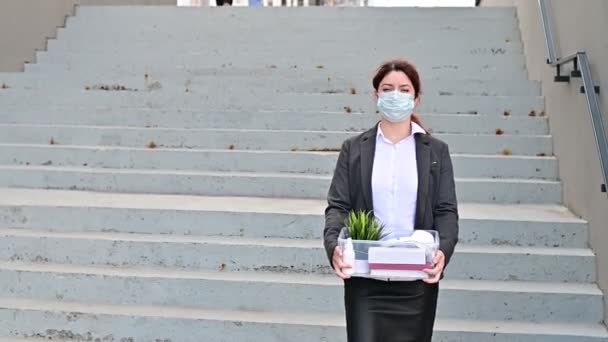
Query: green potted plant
{"type": "Point", "coordinates": [364, 229]}
{"type": "Point", "coordinates": [361, 225]}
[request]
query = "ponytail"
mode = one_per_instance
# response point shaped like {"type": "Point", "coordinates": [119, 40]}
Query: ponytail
{"type": "Point", "coordinates": [416, 118]}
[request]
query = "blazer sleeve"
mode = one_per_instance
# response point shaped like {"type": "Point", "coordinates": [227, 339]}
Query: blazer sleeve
{"type": "Point", "coordinates": [445, 211]}
{"type": "Point", "coordinates": [338, 202]}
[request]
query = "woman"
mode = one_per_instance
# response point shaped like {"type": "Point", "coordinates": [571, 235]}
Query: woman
{"type": "Point", "coordinates": [402, 174]}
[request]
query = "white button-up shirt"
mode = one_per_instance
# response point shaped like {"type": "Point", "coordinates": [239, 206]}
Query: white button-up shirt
{"type": "Point", "coordinates": [395, 183]}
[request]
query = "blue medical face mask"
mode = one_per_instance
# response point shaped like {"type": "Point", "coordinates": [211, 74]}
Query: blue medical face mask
{"type": "Point", "coordinates": [396, 106]}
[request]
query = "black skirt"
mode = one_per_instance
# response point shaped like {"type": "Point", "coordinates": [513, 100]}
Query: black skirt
{"type": "Point", "coordinates": [385, 311]}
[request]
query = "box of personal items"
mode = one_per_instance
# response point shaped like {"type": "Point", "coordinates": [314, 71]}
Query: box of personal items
{"type": "Point", "coordinates": [370, 252]}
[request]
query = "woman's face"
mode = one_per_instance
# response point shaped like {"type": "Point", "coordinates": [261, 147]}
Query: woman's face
{"type": "Point", "coordinates": [396, 80]}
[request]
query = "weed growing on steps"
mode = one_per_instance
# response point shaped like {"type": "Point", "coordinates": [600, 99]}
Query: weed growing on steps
{"type": "Point", "coordinates": [152, 145]}
{"type": "Point", "coordinates": [506, 113]}
{"type": "Point", "coordinates": [499, 131]}
{"type": "Point", "coordinates": [4, 86]}
{"type": "Point", "coordinates": [353, 91]}
{"type": "Point", "coordinates": [151, 84]}
{"type": "Point", "coordinates": [541, 155]}
{"type": "Point", "coordinates": [52, 142]}
{"type": "Point", "coordinates": [320, 67]}
{"type": "Point", "coordinates": [348, 109]}
{"type": "Point", "coordinates": [231, 147]}
{"type": "Point", "coordinates": [506, 152]}
{"type": "Point", "coordinates": [532, 113]}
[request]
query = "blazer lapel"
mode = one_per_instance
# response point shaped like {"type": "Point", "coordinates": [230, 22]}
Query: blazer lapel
{"type": "Point", "coordinates": [423, 161]}
{"type": "Point", "coordinates": [368, 151]}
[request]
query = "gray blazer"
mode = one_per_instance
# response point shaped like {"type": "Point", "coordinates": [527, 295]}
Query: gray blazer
{"type": "Point", "coordinates": [351, 188]}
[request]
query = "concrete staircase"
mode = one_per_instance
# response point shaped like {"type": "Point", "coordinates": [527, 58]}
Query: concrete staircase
{"type": "Point", "coordinates": [163, 174]}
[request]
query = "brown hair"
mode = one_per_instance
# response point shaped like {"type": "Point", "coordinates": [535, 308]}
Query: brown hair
{"type": "Point", "coordinates": [407, 68]}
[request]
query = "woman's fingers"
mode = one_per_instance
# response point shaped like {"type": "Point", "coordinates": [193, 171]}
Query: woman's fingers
{"type": "Point", "coordinates": [435, 272]}
{"type": "Point", "coordinates": [338, 269]}
{"type": "Point", "coordinates": [341, 274]}
{"type": "Point", "coordinates": [339, 264]}
{"type": "Point", "coordinates": [433, 280]}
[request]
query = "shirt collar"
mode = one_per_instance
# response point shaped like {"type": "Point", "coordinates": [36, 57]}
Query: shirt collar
{"type": "Point", "coordinates": [416, 128]}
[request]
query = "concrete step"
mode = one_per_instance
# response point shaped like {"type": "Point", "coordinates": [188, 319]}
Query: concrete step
{"type": "Point", "coordinates": [301, 18]}
{"type": "Point", "coordinates": [264, 292]}
{"type": "Point", "coordinates": [277, 255]}
{"type": "Point", "coordinates": [204, 24]}
{"type": "Point", "coordinates": [315, 30]}
{"type": "Point", "coordinates": [76, 211]}
{"type": "Point", "coordinates": [270, 67]}
{"type": "Point", "coordinates": [339, 103]}
{"type": "Point", "coordinates": [445, 70]}
{"type": "Point", "coordinates": [320, 163]}
{"type": "Point", "coordinates": [265, 120]}
{"type": "Point", "coordinates": [491, 45]}
{"type": "Point", "coordinates": [160, 323]}
{"type": "Point", "coordinates": [305, 18]}
{"type": "Point", "coordinates": [244, 139]}
{"type": "Point", "coordinates": [312, 32]}
{"type": "Point", "coordinates": [209, 183]}
{"type": "Point", "coordinates": [66, 60]}
{"type": "Point", "coordinates": [327, 82]}
{"type": "Point", "coordinates": [209, 35]}
{"type": "Point", "coordinates": [299, 15]}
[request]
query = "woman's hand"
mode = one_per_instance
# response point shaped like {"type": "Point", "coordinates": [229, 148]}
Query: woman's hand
{"type": "Point", "coordinates": [435, 273]}
{"type": "Point", "coordinates": [339, 264]}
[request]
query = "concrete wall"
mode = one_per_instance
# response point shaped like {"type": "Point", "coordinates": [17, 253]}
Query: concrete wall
{"type": "Point", "coordinates": [25, 25]}
{"type": "Point", "coordinates": [577, 25]}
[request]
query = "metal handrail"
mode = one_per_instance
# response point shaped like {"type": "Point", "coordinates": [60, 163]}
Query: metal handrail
{"type": "Point", "coordinates": [581, 69]}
